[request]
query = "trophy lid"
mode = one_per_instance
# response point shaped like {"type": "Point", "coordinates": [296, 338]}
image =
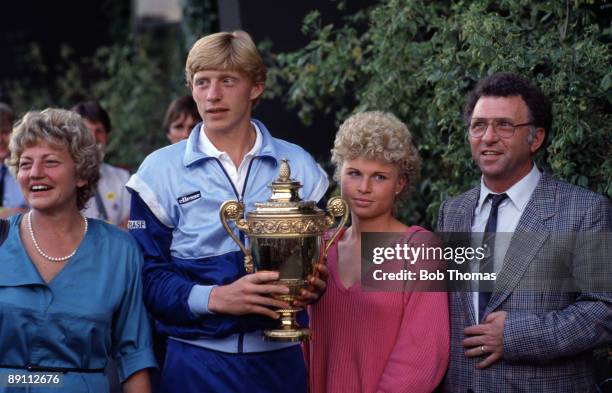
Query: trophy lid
{"type": "Point", "coordinates": [284, 188]}
{"type": "Point", "coordinates": [285, 214]}
{"type": "Point", "coordinates": [285, 198]}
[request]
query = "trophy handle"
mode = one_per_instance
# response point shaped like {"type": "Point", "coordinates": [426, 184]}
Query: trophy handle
{"type": "Point", "coordinates": [336, 207]}
{"type": "Point", "coordinates": [234, 211]}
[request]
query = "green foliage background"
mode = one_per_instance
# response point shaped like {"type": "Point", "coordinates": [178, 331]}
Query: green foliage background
{"type": "Point", "coordinates": [418, 59]}
{"type": "Point", "coordinates": [414, 58]}
{"type": "Point", "coordinates": [134, 78]}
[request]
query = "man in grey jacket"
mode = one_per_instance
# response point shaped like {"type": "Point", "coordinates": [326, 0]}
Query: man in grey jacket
{"type": "Point", "coordinates": [512, 340]}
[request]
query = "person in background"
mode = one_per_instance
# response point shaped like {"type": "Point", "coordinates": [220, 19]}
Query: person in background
{"type": "Point", "coordinates": [70, 288]}
{"type": "Point", "coordinates": [11, 199]}
{"type": "Point", "coordinates": [181, 117]}
{"type": "Point", "coordinates": [111, 200]}
{"type": "Point", "coordinates": [375, 341]}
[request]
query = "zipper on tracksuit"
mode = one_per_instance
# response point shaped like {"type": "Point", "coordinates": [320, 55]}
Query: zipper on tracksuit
{"type": "Point", "coordinates": [240, 343]}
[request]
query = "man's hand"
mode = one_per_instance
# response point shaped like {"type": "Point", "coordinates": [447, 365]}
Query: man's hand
{"type": "Point", "coordinates": [317, 284]}
{"type": "Point", "coordinates": [250, 294]}
{"type": "Point", "coordinates": [486, 339]}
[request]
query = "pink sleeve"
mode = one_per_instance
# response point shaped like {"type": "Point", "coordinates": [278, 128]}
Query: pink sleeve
{"type": "Point", "coordinates": [420, 356]}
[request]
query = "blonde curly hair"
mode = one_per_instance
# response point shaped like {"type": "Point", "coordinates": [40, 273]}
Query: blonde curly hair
{"type": "Point", "coordinates": [377, 135]}
{"type": "Point", "coordinates": [62, 129]}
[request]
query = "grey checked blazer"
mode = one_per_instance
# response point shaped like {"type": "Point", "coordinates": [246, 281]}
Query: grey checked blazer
{"type": "Point", "coordinates": [548, 337]}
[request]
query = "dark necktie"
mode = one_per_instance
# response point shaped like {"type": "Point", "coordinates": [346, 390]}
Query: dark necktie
{"type": "Point", "coordinates": [2, 176]}
{"type": "Point", "coordinates": [487, 265]}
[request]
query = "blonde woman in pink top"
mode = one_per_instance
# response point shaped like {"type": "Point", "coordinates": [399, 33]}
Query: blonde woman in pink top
{"type": "Point", "coordinates": [375, 341]}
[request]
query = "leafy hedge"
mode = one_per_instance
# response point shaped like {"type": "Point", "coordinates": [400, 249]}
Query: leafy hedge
{"type": "Point", "coordinates": [126, 81]}
{"type": "Point", "coordinates": [419, 59]}
{"type": "Point", "coordinates": [134, 79]}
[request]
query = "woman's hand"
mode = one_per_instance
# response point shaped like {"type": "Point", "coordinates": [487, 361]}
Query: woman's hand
{"type": "Point", "coordinates": [317, 285]}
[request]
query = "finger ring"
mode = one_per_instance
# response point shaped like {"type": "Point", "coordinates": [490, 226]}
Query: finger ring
{"type": "Point", "coordinates": [482, 349]}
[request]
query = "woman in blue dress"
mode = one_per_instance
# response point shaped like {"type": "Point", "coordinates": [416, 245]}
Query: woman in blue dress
{"type": "Point", "coordinates": [70, 288]}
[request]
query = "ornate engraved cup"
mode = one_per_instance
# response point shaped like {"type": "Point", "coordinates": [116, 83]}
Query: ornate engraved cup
{"type": "Point", "coordinates": [286, 235]}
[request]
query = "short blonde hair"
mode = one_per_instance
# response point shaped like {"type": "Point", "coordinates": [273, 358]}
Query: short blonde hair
{"type": "Point", "coordinates": [62, 129]}
{"type": "Point", "coordinates": [380, 136]}
{"type": "Point", "coordinates": [231, 51]}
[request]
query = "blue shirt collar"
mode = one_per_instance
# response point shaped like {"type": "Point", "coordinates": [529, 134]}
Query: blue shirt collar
{"type": "Point", "coordinates": [193, 153]}
{"type": "Point", "coordinates": [208, 148]}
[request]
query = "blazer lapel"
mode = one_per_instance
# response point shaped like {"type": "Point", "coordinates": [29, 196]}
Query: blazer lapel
{"type": "Point", "coordinates": [465, 211]}
{"type": "Point", "coordinates": [529, 236]}
{"type": "Point", "coordinates": [463, 223]}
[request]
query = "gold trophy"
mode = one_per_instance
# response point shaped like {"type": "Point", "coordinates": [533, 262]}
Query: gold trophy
{"type": "Point", "coordinates": [285, 235]}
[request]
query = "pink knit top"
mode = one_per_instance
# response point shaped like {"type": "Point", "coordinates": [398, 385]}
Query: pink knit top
{"type": "Point", "coordinates": [377, 341]}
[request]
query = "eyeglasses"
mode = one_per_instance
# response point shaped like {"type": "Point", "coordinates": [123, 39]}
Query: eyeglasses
{"type": "Point", "coordinates": [504, 128]}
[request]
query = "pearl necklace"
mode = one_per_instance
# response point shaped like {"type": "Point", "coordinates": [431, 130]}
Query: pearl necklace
{"type": "Point", "coordinates": [44, 255]}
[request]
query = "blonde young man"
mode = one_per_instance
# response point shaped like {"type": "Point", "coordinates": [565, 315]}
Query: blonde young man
{"type": "Point", "coordinates": [195, 283]}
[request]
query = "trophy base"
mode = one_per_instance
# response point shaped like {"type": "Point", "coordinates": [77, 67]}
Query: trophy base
{"type": "Point", "coordinates": [289, 330]}
{"type": "Point", "coordinates": [287, 335]}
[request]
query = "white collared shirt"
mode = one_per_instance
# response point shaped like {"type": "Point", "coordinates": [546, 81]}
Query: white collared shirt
{"type": "Point", "coordinates": [113, 195]}
{"type": "Point", "coordinates": [237, 175]}
{"type": "Point", "coordinates": [508, 215]}
{"type": "Point", "coordinates": [510, 210]}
